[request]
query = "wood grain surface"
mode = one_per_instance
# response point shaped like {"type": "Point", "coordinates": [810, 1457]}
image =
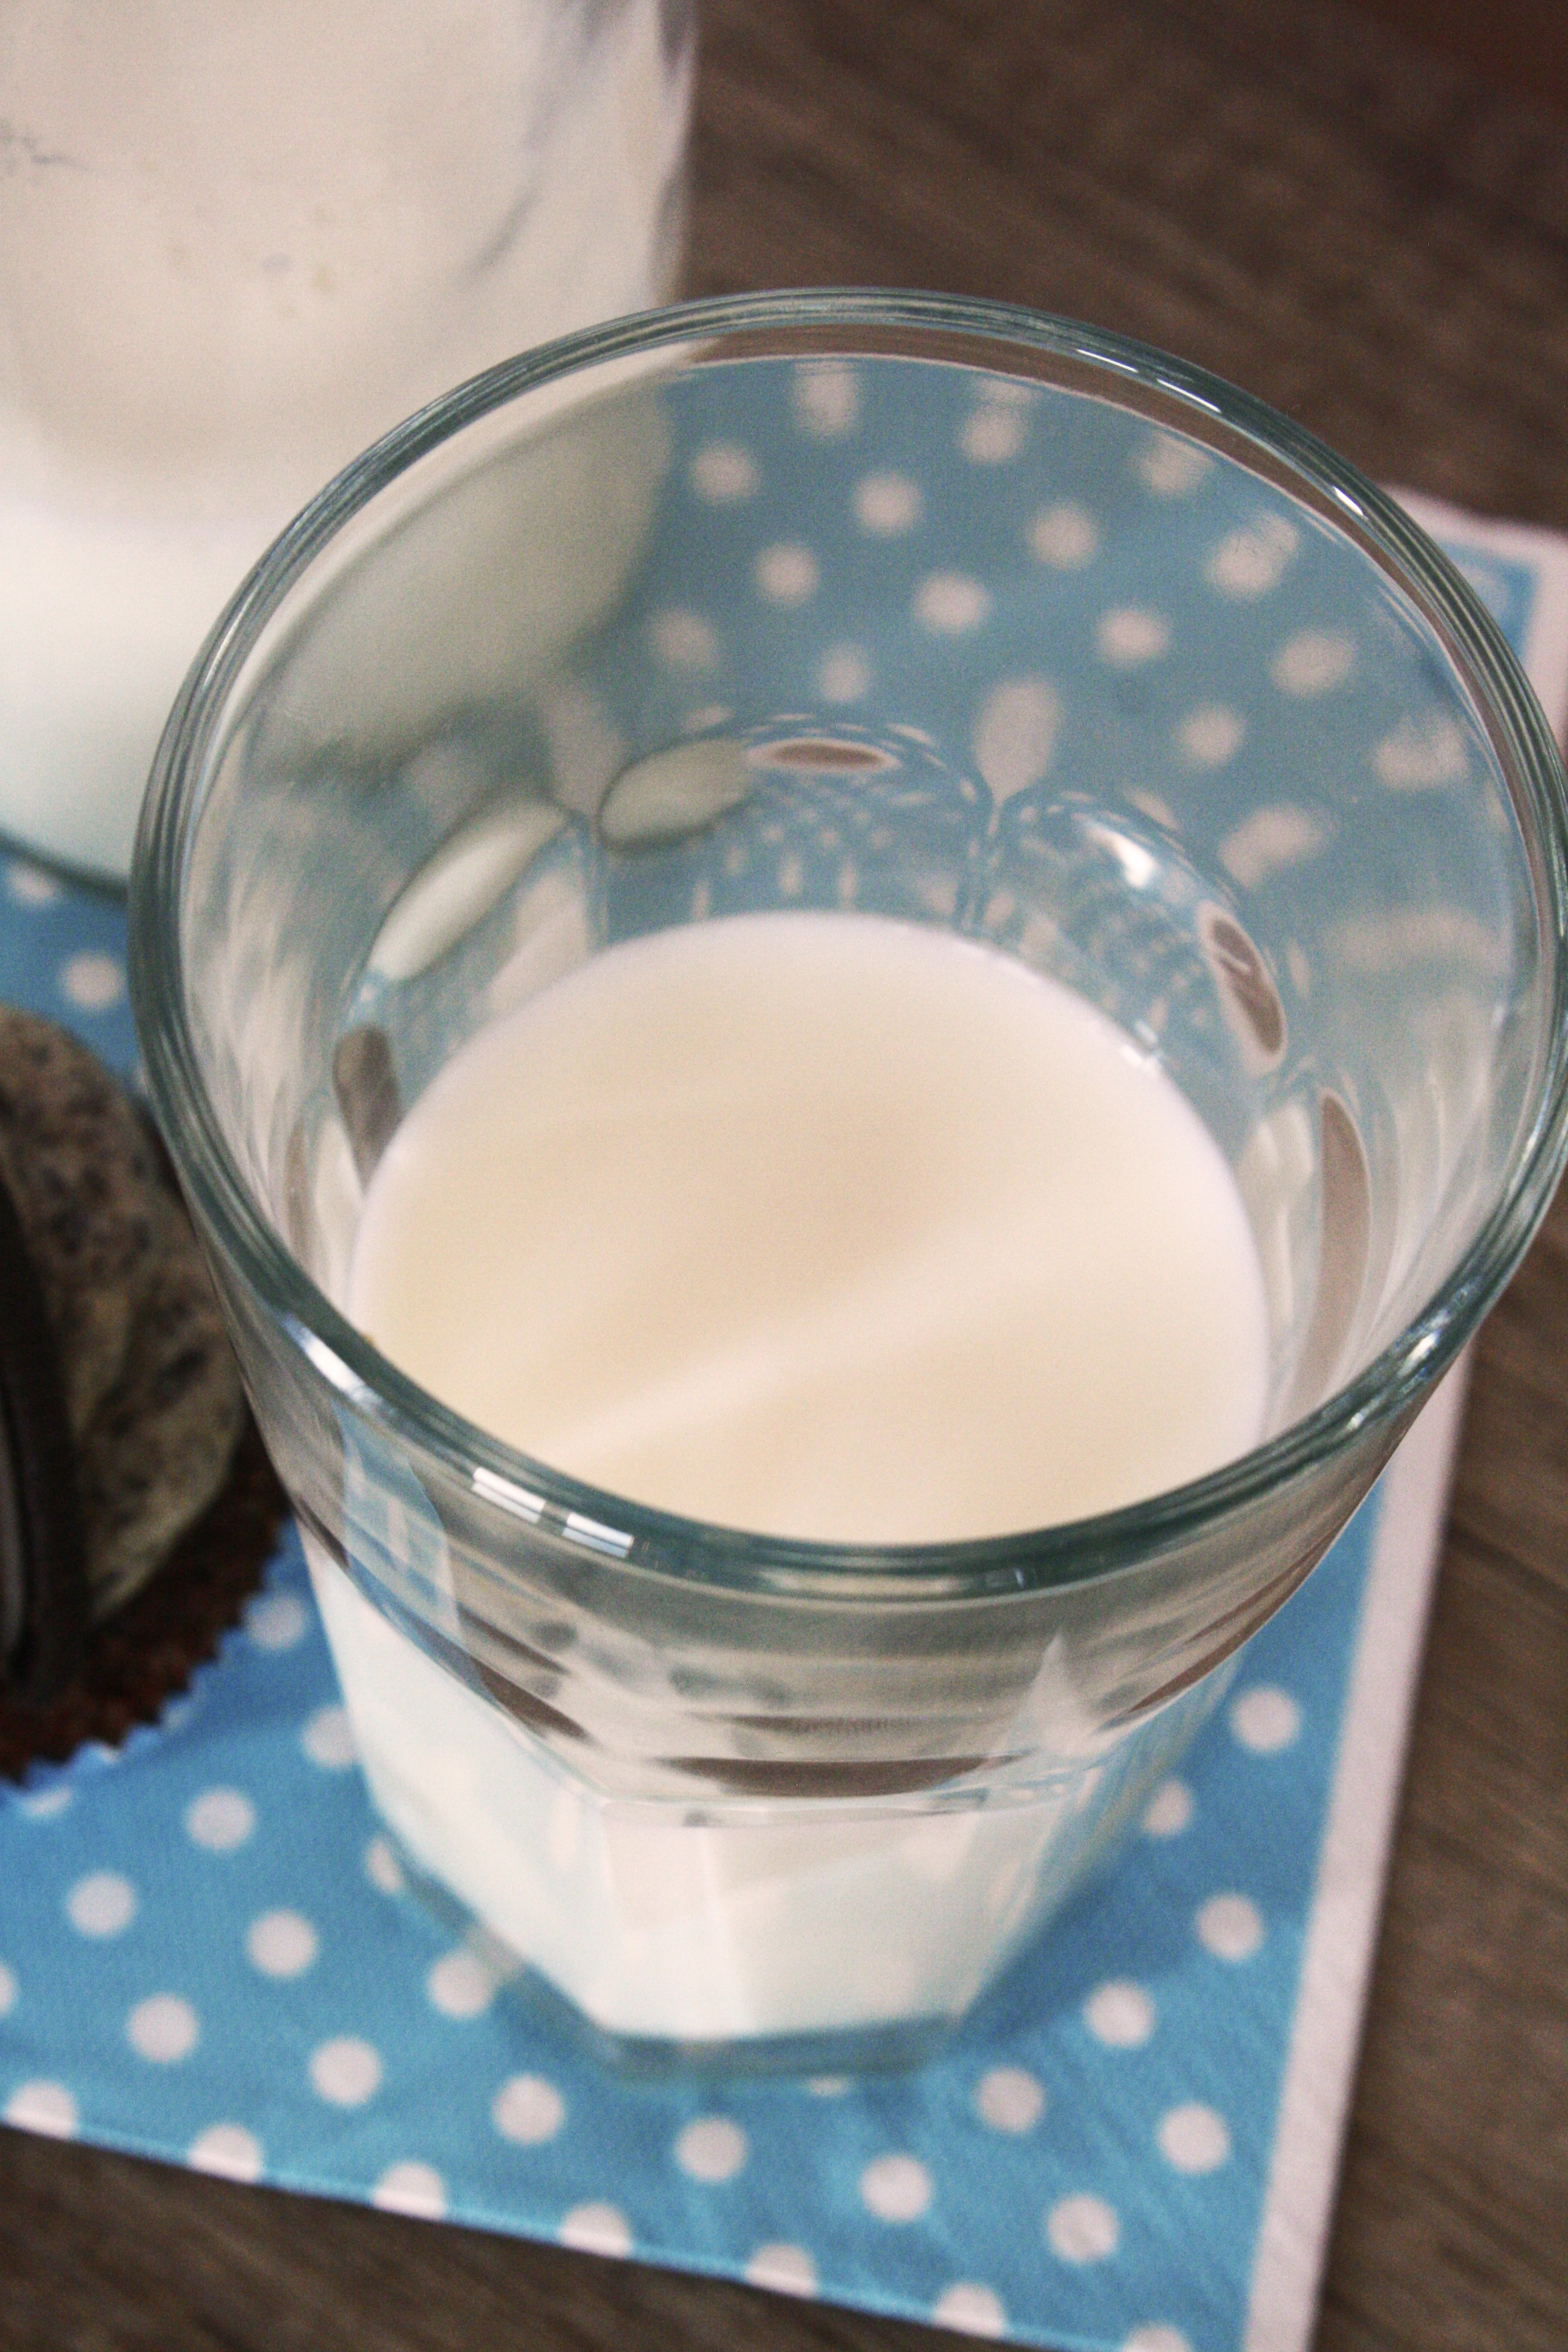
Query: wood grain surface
{"type": "Point", "coordinates": [1305, 203]}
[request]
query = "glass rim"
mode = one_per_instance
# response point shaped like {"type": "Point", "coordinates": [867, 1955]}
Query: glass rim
{"type": "Point", "coordinates": [848, 322]}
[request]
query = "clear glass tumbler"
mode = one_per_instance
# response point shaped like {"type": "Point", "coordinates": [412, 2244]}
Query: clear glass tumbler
{"type": "Point", "coordinates": [235, 245]}
{"type": "Point", "coordinates": [948, 613]}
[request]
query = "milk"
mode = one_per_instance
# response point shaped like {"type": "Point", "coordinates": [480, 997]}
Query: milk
{"type": "Point", "coordinates": [822, 1226]}
{"type": "Point", "coordinates": [819, 1226]}
{"type": "Point", "coordinates": [679, 1922]}
{"type": "Point", "coordinates": [235, 247]}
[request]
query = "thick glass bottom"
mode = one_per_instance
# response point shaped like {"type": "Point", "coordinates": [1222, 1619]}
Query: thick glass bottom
{"type": "Point", "coordinates": [893, 2049]}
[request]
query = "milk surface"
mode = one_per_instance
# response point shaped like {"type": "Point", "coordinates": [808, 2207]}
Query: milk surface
{"type": "Point", "coordinates": [818, 1224]}
{"type": "Point", "coordinates": [822, 1226]}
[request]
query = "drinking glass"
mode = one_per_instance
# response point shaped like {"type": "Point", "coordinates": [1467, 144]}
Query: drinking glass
{"type": "Point", "coordinates": [943, 612]}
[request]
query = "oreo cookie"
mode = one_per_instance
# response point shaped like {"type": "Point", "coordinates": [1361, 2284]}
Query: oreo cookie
{"type": "Point", "coordinates": [44, 1610]}
{"type": "Point", "coordinates": [120, 1403]}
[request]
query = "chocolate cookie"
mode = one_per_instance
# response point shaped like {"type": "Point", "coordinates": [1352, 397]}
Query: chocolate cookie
{"type": "Point", "coordinates": [79, 1167]}
{"type": "Point", "coordinates": [145, 1653]}
{"type": "Point", "coordinates": [158, 1448]}
{"type": "Point", "coordinates": [43, 1570]}
{"type": "Point", "coordinates": [128, 1339]}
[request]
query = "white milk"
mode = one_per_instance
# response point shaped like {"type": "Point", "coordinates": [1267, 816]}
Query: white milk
{"type": "Point", "coordinates": [822, 1226]}
{"type": "Point", "coordinates": [815, 1225]}
{"type": "Point", "coordinates": [235, 245]}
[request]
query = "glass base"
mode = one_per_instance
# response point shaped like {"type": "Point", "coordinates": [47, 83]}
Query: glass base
{"type": "Point", "coordinates": [892, 2049]}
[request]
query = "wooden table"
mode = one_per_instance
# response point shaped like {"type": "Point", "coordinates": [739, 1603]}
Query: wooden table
{"type": "Point", "coordinates": [1311, 207]}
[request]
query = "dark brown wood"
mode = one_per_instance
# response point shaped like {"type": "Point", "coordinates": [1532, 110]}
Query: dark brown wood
{"type": "Point", "coordinates": [1523, 46]}
{"type": "Point", "coordinates": [1353, 229]}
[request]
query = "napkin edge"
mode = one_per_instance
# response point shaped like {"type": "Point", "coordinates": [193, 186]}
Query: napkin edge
{"type": "Point", "coordinates": [1544, 653]}
{"type": "Point", "coordinates": [1320, 2065]}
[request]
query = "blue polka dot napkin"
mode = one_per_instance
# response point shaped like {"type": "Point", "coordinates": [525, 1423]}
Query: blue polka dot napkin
{"type": "Point", "coordinates": [207, 1953]}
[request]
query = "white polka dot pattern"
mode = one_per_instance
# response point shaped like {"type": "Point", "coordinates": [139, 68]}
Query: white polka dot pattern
{"type": "Point", "coordinates": [1169, 1810]}
{"type": "Point", "coordinates": [163, 2029]}
{"type": "Point", "coordinates": [1010, 2099]}
{"type": "Point", "coordinates": [1270, 841]}
{"type": "Point", "coordinates": [1211, 735]}
{"type": "Point", "coordinates": [683, 640]}
{"type": "Point", "coordinates": [1157, 2338]}
{"type": "Point", "coordinates": [346, 2072]}
{"type": "Point", "coordinates": [993, 433]}
{"type": "Point", "coordinates": [1121, 2014]}
{"type": "Point", "coordinates": [1082, 2229]}
{"type": "Point", "coordinates": [1193, 2138]}
{"type": "Point", "coordinates": [971, 2308]}
{"type": "Point", "coordinates": [327, 1739]}
{"type": "Point", "coordinates": [1313, 662]}
{"type": "Point", "coordinates": [42, 2107]}
{"type": "Point", "coordinates": [843, 674]}
{"type": "Point", "coordinates": [1230, 1926]}
{"type": "Point", "coordinates": [460, 1985]}
{"type": "Point", "coordinates": [887, 505]}
{"type": "Point", "coordinates": [229, 2150]}
{"type": "Point", "coordinates": [896, 2188]}
{"type": "Point", "coordinates": [381, 1866]}
{"type": "Point", "coordinates": [1128, 636]}
{"type": "Point", "coordinates": [725, 473]}
{"type": "Point", "coordinates": [29, 886]}
{"type": "Point", "coordinates": [529, 2110]}
{"type": "Point", "coordinates": [1171, 467]}
{"type": "Point", "coordinates": [1067, 537]}
{"type": "Point", "coordinates": [103, 1904]}
{"type": "Point", "coordinates": [712, 2148]}
{"type": "Point", "coordinates": [47, 1805]}
{"type": "Point", "coordinates": [8, 1989]}
{"type": "Point", "coordinates": [786, 2269]}
{"type": "Point", "coordinates": [220, 1819]}
{"type": "Point", "coordinates": [1015, 735]}
{"type": "Point", "coordinates": [411, 2188]}
{"type": "Point", "coordinates": [1265, 1719]}
{"type": "Point", "coordinates": [826, 395]}
{"type": "Point", "coordinates": [1251, 561]}
{"type": "Point", "coordinates": [91, 983]}
{"type": "Point", "coordinates": [597, 2229]}
{"type": "Point", "coordinates": [786, 574]}
{"type": "Point", "coordinates": [281, 1944]}
{"type": "Point", "coordinates": [277, 1621]}
{"type": "Point", "coordinates": [1420, 758]}
{"type": "Point", "coordinates": [950, 603]}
